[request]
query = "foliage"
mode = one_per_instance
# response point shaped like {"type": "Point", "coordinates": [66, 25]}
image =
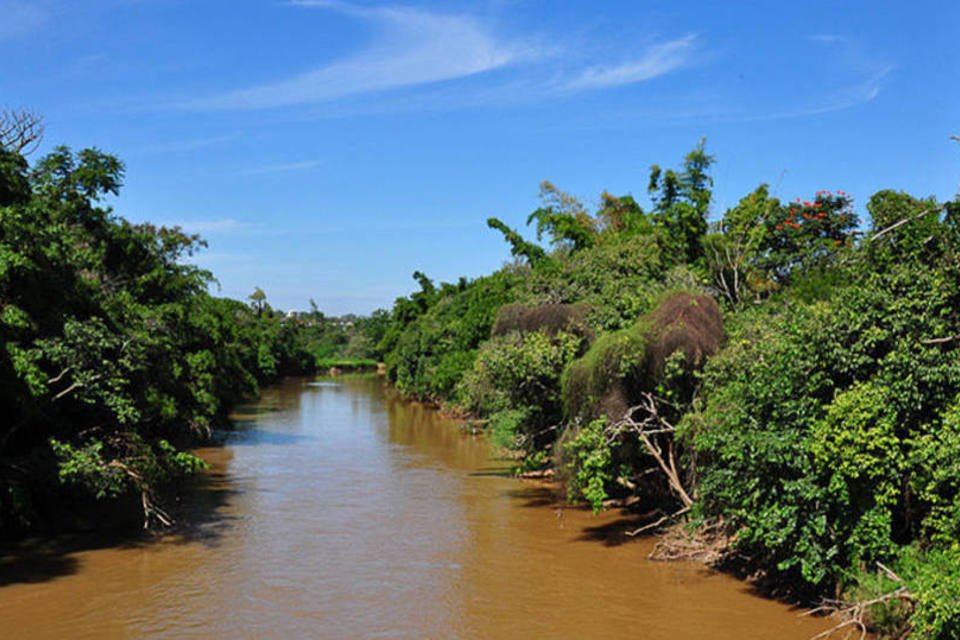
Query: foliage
{"type": "Point", "coordinates": [681, 203]}
{"type": "Point", "coordinates": [821, 419]}
{"type": "Point", "coordinates": [599, 382]}
{"type": "Point", "coordinates": [114, 355]}
{"type": "Point", "coordinates": [436, 333]}
{"type": "Point", "coordinates": [617, 280]}
{"type": "Point", "coordinates": [516, 380]}
{"type": "Point", "coordinates": [590, 464]}
{"type": "Point", "coordinates": [564, 219]}
{"type": "Point", "coordinates": [933, 577]}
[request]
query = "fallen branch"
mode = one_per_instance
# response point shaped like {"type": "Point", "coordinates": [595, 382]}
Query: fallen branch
{"type": "Point", "coordinates": [661, 521]}
{"type": "Point", "coordinates": [855, 615]}
{"type": "Point", "coordinates": [709, 544]}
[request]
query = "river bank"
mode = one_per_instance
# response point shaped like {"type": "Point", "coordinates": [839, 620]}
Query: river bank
{"type": "Point", "coordinates": [336, 509]}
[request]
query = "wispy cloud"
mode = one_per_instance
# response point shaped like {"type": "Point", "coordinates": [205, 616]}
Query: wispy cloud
{"type": "Point", "coordinates": [656, 61]}
{"type": "Point", "coordinates": [281, 168]}
{"type": "Point", "coordinates": [417, 47]}
{"type": "Point", "coordinates": [846, 97]}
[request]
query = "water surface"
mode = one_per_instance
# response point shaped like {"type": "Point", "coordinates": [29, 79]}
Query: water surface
{"type": "Point", "coordinates": [337, 510]}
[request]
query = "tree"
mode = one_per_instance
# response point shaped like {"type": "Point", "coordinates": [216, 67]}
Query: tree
{"type": "Point", "coordinates": [21, 131]}
{"type": "Point", "coordinates": [681, 203]}
{"type": "Point", "coordinates": [518, 246]}
{"type": "Point", "coordinates": [563, 218]}
{"type": "Point", "coordinates": [807, 234]}
{"type": "Point", "coordinates": [620, 215]}
{"type": "Point", "coordinates": [732, 250]}
{"type": "Point", "coordinates": [258, 300]}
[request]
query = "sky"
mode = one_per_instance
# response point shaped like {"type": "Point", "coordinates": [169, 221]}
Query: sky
{"type": "Point", "coordinates": [327, 149]}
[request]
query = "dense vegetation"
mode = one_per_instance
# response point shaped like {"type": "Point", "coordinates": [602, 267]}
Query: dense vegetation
{"type": "Point", "coordinates": [786, 373]}
{"type": "Point", "coordinates": [115, 357]}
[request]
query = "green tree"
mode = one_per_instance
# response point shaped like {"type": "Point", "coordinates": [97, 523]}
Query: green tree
{"type": "Point", "coordinates": [681, 203]}
{"type": "Point", "coordinates": [258, 300]}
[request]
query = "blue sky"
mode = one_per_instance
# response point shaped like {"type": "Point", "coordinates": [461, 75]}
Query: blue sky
{"type": "Point", "coordinates": [326, 149]}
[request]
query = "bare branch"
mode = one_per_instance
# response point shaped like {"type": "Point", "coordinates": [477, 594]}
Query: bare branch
{"type": "Point", "coordinates": [854, 615]}
{"type": "Point", "coordinates": [21, 130]}
{"type": "Point", "coordinates": [59, 376]}
{"type": "Point", "coordinates": [657, 523]}
{"type": "Point", "coordinates": [652, 425]}
{"type": "Point", "coordinates": [900, 223]}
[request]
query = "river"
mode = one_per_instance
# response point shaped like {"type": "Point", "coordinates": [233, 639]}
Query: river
{"type": "Point", "coordinates": [338, 510]}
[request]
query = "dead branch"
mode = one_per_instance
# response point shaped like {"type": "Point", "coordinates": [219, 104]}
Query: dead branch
{"type": "Point", "coordinates": [151, 510]}
{"type": "Point", "coordinates": [659, 522]}
{"type": "Point", "coordinates": [648, 429]}
{"type": "Point", "coordinates": [21, 131]}
{"type": "Point", "coordinates": [59, 376]}
{"type": "Point", "coordinates": [73, 387]}
{"type": "Point", "coordinates": [855, 615]}
{"type": "Point", "coordinates": [897, 225]}
{"type": "Point", "coordinates": [708, 544]}
{"type": "Point", "coordinates": [889, 573]}
{"type": "Point", "coordinates": [940, 340]}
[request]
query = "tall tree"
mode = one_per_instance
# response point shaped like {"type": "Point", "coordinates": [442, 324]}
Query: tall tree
{"type": "Point", "coordinates": [682, 201]}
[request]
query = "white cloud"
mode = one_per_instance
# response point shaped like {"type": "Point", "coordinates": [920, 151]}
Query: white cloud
{"type": "Point", "coordinates": [417, 47]}
{"type": "Point", "coordinates": [656, 61]}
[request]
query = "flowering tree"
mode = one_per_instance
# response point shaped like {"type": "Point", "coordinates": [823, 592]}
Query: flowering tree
{"type": "Point", "coordinates": [803, 233]}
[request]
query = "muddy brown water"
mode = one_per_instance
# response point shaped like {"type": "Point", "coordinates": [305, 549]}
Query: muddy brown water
{"type": "Point", "coordinates": [338, 510]}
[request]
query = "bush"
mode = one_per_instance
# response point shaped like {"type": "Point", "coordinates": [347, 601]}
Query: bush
{"type": "Point", "coordinates": [518, 376]}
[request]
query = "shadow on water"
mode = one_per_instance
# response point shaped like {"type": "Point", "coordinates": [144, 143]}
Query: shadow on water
{"type": "Point", "coordinates": [199, 508]}
{"type": "Point", "coordinates": [492, 472]}
{"type": "Point", "coordinates": [536, 497]}
{"type": "Point", "coordinates": [610, 533]}
{"type": "Point", "coordinates": [616, 533]}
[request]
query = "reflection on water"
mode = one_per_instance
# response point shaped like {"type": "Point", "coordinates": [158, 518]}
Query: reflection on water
{"type": "Point", "coordinates": [338, 510]}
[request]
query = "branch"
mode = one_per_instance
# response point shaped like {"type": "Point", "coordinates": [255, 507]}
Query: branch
{"type": "Point", "coordinates": [647, 435]}
{"type": "Point", "coordinates": [654, 525]}
{"type": "Point", "coordinates": [855, 614]}
{"type": "Point", "coordinates": [940, 340]}
{"type": "Point", "coordinates": [21, 131]}
{"type": "Point", "coordinates": [74, 386]}
{"type": "Point", "coordinates": [59, 376]}
{"type": "Point", "coordinates": [896, 225]}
